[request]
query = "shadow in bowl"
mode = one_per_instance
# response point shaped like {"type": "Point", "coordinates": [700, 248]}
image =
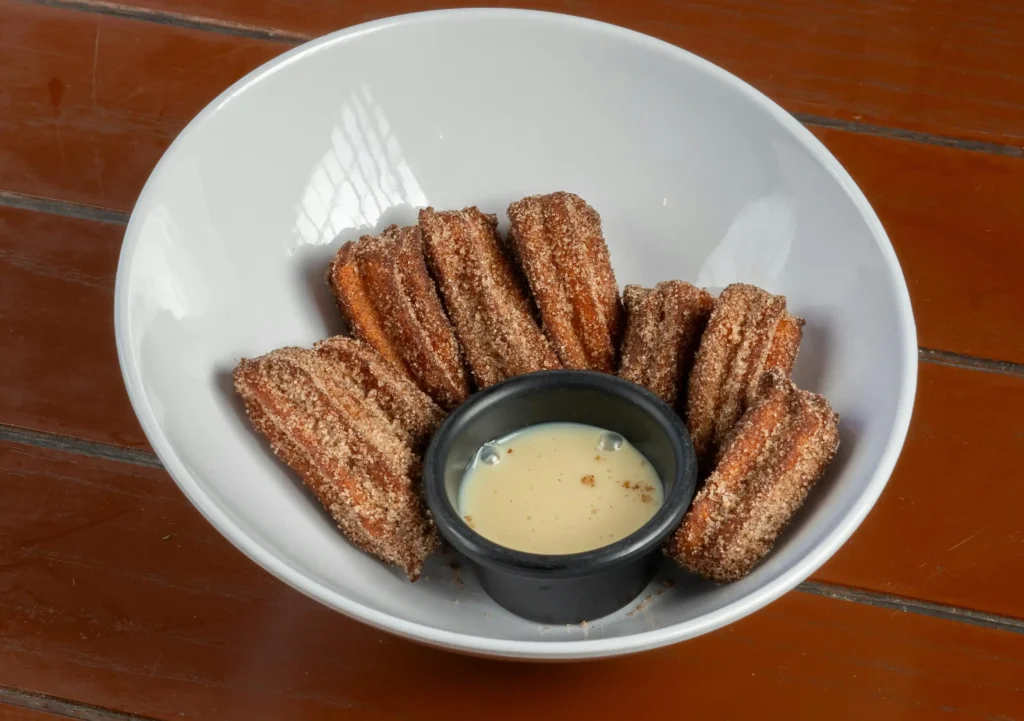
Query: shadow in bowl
{"type": "Point", "coordinates": [313, 260]}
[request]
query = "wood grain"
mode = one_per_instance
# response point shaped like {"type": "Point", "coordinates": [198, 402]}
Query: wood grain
{"type": "Point", "coordinates": [947, 527]}
{"type": "Point", "coordinates": [944, 67]}
{"type": "Point", "coordinates": [115, 592]}
{"type": "Point", "coordinates": [60, 371]}
{"type": "Point", "coordinates": [91, 102]}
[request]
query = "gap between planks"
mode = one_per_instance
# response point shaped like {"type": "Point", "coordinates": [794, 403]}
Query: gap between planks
{"type": "Point", "coordinates": [64, 208]}
{"type": "Point", "coordinates": [835, 592]}
{"type": "Point", "coordinates": [178, 20]}
{"type": "Point", "coordinates": [62, 707]}
{"type": "Point", "coordinates": [255, 32]}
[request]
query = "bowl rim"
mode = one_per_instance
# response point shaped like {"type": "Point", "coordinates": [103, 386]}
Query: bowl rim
{"type": "Point", "coordinates": [485, 645]}
{"type": "Point", "coordinates": [644, 540]}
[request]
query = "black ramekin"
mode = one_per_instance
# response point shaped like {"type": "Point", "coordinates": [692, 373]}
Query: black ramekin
{"type": "Point", "coordinates": [574, 587]}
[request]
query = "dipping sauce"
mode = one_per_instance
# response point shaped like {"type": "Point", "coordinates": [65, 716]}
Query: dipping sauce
{"type": "Point", "coordinates": [559, 488]}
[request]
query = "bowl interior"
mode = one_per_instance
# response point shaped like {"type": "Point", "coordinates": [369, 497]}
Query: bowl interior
{"type": "Point", "coordinates": [560, 396]}
{"type": "Point", "coordinates": [696, 176]}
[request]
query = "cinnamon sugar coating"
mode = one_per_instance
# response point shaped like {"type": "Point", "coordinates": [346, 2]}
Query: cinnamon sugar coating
{"type": "Point", "coordinates": [362, 370]}
{"type": "Point", "coordinates": [749, 332]}
{"type": "Point", "coordinates": [663, 329]}
{"type": "Point", "coordinates": [347, 444]}
{"type": "Point", "coordinates": [387, 296]}
{"type": "Point", "coordinates": [483, 296]}
{"type": "Point", "coordinates": [770, 460]}
{"type": "Point", "coordinates": [558, 241]}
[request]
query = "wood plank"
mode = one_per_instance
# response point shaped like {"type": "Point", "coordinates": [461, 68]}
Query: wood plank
{"type": "Point", "coordinates": [60, 371]}
{"type": "Point", "coordinates": [956, 220]}
{"type": "Point", "coordinates": [116, 593]}
{"type": "Point", "coordinates": [944, 67]}
{"type": "Point", "coordinates": [91, 101]}
{"type": "Point", "coordinates": [948, 526]}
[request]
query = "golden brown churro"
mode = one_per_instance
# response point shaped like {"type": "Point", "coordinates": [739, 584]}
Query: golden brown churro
{"type": "Point", "coordinates": [483, 295]}
{"type": "Point", "coordinates": [384, 291]}
{"type": "Point", "coordinates": [663, 329]}
{"type": "Point", "coordinates": [558, 241]}
{"type": "Point", "coordinates": [346, 448]}
{"type": "Point", "coordinates": [772, 457]}
{"type": "Point", "coordinates": [749, 332]}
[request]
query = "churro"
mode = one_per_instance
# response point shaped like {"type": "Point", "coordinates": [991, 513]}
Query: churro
{"type": "Point", "coordinates": [558, 241]}
{"type": "Point", "coordinates": [484, 296]}
{"type": "Point", "coordinates": [749, 332]}
{"type": "Point", "coordinates": [663, 329]}
{"type": "Point", "coordinates": [770, 460]}
{"type": "Point", "coordinates": [384, 291]}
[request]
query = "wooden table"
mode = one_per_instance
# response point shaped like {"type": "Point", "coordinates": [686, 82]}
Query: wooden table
{"type": "Point", "coordinates": [118, 601]}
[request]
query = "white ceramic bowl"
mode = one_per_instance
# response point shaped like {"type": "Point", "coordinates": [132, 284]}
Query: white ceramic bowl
{"type": "Point", "coordinates": [696, 175]}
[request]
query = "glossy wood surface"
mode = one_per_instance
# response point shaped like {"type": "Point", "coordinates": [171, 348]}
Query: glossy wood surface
{"type": "Point", "coordinates": [115, 592]}
{"type": "Point", "coordinates": [947, 528]}
{"type": "Point", "coordinates": [125, 597]}
{"type": "Point", "coordinates": [956, 220]}
{"type": "Point", "coordinates": [92, 101]}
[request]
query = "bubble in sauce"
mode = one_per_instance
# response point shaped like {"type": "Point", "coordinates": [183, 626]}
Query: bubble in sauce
{"type": "Point", "coordinates": [489, 455]}
{"type": "Point", "coordinates": [610, 441]}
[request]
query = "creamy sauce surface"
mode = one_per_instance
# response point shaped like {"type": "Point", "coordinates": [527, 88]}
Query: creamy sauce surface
{"type": "Point", "coordinates": [559, 488]}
